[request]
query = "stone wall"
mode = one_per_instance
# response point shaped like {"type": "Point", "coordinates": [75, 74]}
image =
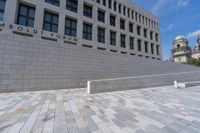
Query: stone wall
{"type": "Point", "coordinates": [28, 63]}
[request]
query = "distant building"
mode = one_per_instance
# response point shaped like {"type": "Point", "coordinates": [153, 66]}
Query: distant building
{"type": "Point", "coordinates": [182, 52]}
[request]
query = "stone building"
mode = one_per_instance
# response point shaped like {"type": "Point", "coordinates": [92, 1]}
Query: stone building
{"type": "Point", "coordinates": [182, 52]}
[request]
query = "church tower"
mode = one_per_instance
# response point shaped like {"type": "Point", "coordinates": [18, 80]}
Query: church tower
{"type": "Point", "coordinates": [196, 51]}
{"type": "Point", "coordinates": [181, 52]}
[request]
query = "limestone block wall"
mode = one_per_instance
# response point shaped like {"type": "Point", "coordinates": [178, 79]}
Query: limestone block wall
{"type": "Point", "coordinates": [28, 63]}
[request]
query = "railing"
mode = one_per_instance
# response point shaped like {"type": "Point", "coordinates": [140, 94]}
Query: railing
{"type": "Point", "coordinates": [185, 50]}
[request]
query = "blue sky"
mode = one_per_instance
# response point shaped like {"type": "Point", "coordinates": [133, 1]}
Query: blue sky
{"type": "Point", "coordinates": [177, 17]}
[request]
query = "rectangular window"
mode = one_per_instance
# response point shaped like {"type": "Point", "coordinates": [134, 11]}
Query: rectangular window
{"type": "Point", "coordinates": [50, 22]}
{"type": "Point", "coordinates": [101, 16]}
{"type": "Point", "coordinates": [87, 31]}
{"type": "Point", "coordinates": [70, 27]}
{"type": "Point", "coordinates": [131, 40]}
{"type": "Point", "coordinates": [98, 1]}
{"type": "Point", "coordinates": [131, 27]}
{"type": "Point", "coordinates": [104, 2]}
{"type": "Point", "coordinates": [2, 9]}
{"type": "Point", "coordinates": [53, 2]}
{"type": "Point", "coordinates": [124, 11]}
{"type": "Point", "coordinates": [139, 30]}
{"type": "Point", "coordinates": [132, 14]}
{"type": "Point", "coordinates": [112, 38]}
{"type": "Point", "coordinates": [136, 16]}
{"type": "Point", "coordinates": [146, 47]}
{"type": "Point", "coordinates": [72, 5]}
{"type": "Point", "coordinates": [151, 35]}
{"type": "Point", "coordinates": [101, 35]}
{"type": "Point", "coordinates": [26, 15]}
{"type": "Point", "coordinates": [87, 11]}
{"type": "Point", "coordinates": [120, 8]}
{"type": "Point", "coordinates": [115, 6]}
{"type": "Point", "coordinates": [123, 40]}
{"type": "Point", "coordinates": [139, 45]}
{"type": "Point", "coordinates": [122, 24]}
{"type": "Point", "coordinates": [158, 49]}
{"type": "Point", "coordinates": [152, 48]}
{"type": "Point", "coordinates": [112, 20]}
{"type": "Point", "coordinates": [157, 36]}
{"type": "Point", "coordinates": [145, 33]}
{"type": "Point", "coordinates": [110, 4]}
{"type": "Point", "coordinates": [128, 12]}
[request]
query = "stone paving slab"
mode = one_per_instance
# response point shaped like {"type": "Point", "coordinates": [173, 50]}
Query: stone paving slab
{"type": "Point", "coordinates": [151, 110]}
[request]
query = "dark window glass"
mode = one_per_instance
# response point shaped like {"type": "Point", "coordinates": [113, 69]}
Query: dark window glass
{"type": "Point", "coordinates": [50, 22]}
{"type": "Point", "coordinates": [104, 2]}
{"type": "Point", "coordinates": [72, 5]}
{"type": "Point", "coordinates": [136, 16]}
{"type": "Point", "coordinates": [131, 39]}
{"type": "Point", "coordinates": [120, 8]}
{"type": "Point", "coordinates": [122, 24]}
{"type": "Point", "coordinates": [112, 38]}
{"type": "Point", "coordinates": [132, 14]}
{"type": "Point", "coordinates": [98, 1]}
{"type": "Point", "coordinates": [87, 11]}
{"type": "Point", "coordinates": [138, 30]}
{"type": "Point", "coordinates": [152, 48]}
{"type": "Point", "coordinates": [2, 9]}
{"type": "Point", "coordinates": [101, 35]}
{"type": "Point", "coordinates": [124, 10]}
{"type": "Point", "coordinates": [70, 27]}
{"type": "Point", "coordinates": [145, 33]}
{"type": "Point", "coordinates": [123, 41]}
{"type": "Point", "coordinates": [157, 37]}
{"type": "Point", "coordinates": [151, 35]}
{"type": "Point", "coordinates": [53, 2]}
{"type": "Point", "coordinates": [158, 49]}
{"type": "Point", "coordinates": [115, 6]}
{"type": "Point", "coordinates": [128, 12]}
{"type": "Point", "coordinates": [131, 27]}
{"type": "Point", "coordinates": [139, 45]}
{"type": "Point", "coordinates": [26, 15]}
{"type": "Point", "coordinates": [101, 16]}
{"type": "Point", "coordinates": [87, 31]}
{"type": "Point", "coordinates": [112, 20]}
{"type": "Point", "coordinates": [110, 4]}
{"type": "Point", "coordinates": [146, 47]}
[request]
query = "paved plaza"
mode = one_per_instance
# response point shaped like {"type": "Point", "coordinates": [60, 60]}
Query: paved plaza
{"type": "Point", "coordinates": [152, 110]}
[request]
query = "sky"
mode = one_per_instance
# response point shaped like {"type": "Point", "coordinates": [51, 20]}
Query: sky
{"type": "Point", "coordinates": [177, 17]}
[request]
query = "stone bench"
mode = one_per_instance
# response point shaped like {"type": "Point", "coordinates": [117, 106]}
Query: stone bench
{"type": "Point", "coordinates": [186, 84]}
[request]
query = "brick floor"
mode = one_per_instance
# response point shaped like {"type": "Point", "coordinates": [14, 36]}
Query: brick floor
{"type": "Point", "coordinates": [152, 110]}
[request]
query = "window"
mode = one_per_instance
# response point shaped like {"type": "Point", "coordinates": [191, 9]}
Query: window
{"type": "Point", "coordinates": [26, 15]}
{"type": "Point", "coordinates": [110, 4]}
{"type": "Point", "coordinates": [139, 30]}
{"type": "Point", "coordinates": [131, 27]}
{"type": "Point", "coordinates": [157, 37]}
{"type": "Point", "coordinates": [72, 5]}
{"type": "Point", "coordinates": [87, 11]}
{"type": "Point", "coordinates": [104, 2]}
{"type": "Point", "coordinates": [136, 16]}
{"type": "Point", "coordinates": [115, 6]}
{"type": "Point", "coordinates": [112, 20]}
{"type": "Point", "coordinates": [87, 31]}
{"type": "Point", "coordinates": [132, 14]}
{"type": "Point", "coordinates": [2, 9]}
{"type": "Point", "coordinates": [112, 38]}
{"type": "Point", "coordinates": [120, 8]}
{"type": "Point", "coordinates": [139, 45]}
{"type": "Point", "coordinates": [151, 35]}
{"type": "Point", "coordinates": [158, 49]}
{"type": "Point", "coordinates": [98, 1]}
{"type": "Point", "coordinates": [131, 40]}
{"type": "Point", "coordinates": [50, 22]}
{"type": "Point", "coordinates": [145, 33]}
{"type": "Point", "coordinates": [101, 35]}
{"type": "Point", "coordinates": [101, 16]}
{"type": "Point", "coordinates": [123, 41]}
{"type": "Point", "coordinates": [128, 12]}
{"type": "Point", "coordinates": [152, 48]}
{"type": "Point", "coordinates": [146, 47]}
{"type": "Point", "coordinates": [53, 2]}
{"type": "Point", "coordinates": [122, 24]}
{"type": "Point", "coordinates": [70, 27]}
{"type": "Point", "coordinates": [124, 10]}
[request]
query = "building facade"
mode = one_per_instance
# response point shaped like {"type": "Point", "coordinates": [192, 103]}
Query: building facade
{"type": "Point", "coordinates": [182, 52]}
{"type": "Point", "coordinates": [50, 44]}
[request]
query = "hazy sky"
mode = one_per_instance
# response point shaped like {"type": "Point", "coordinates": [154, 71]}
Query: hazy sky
{"type": "Point", "coordinates": [177, 17]}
